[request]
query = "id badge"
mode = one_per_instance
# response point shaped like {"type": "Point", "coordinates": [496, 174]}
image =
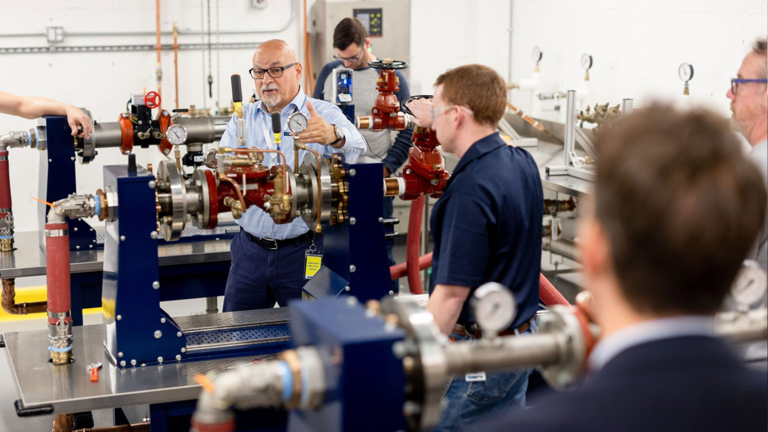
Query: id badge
{"type": "Point", "coordinates": [313, 260]}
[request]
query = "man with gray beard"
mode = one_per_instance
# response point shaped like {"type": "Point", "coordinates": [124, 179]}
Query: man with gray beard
{"type": "Point", "coordinates": [267, 258]}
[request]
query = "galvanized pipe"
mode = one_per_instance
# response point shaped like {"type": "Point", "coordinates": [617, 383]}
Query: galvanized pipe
{"type": "Point", "coordinates": [508, 353]}
{"type": "Point", "coordinates": [570, 124]}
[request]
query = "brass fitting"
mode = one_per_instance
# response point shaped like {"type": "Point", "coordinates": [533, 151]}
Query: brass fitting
{"type": "Point", "coordinates": [235, 206]}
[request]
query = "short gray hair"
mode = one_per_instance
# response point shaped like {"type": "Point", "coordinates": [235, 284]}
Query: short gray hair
{"type": "Point", "coordinates": [759, 48]}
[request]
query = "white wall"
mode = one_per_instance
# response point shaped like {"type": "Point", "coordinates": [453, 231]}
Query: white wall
{"type": "Point", "coordinates": [637, 48]}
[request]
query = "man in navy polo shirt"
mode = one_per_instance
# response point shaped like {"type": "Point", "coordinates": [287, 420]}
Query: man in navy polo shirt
{"type": "Point", "coordinates": [486, 228]}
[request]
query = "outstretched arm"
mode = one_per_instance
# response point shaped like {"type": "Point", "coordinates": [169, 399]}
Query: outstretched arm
{"type": "Point", "coordinates": [31, 107]}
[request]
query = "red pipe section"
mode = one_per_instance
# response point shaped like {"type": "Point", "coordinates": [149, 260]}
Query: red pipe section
{"type": "Point", "coordinates": [5, 184]}
{"type": "Point", "coordinates": [549, 295]}
{"type": "Point", "coordinates": [57, 271]}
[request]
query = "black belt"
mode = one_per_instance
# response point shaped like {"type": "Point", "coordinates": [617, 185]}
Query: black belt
{"type": "Point", "coordinates": [474, 330]}
{"type": "Point", "coordinates": [271, 244]}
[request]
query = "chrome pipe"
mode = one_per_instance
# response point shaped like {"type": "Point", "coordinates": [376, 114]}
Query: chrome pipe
{"type": "Point", "coordinates": [508, 353]}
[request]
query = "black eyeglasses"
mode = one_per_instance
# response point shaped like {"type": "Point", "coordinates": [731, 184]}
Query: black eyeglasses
{"type": "Point", "coordinates": [736, 81]}
{"type": "Point", "coordinates": [350, 59]}
{"type": "Point", "coordinates": [274, 72]}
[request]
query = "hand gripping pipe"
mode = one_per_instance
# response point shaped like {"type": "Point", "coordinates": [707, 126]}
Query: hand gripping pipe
{"type": "Point", "coordinates": [57, 271]}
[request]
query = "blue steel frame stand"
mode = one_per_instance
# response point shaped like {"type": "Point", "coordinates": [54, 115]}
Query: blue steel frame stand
{"type": "Point", "coordinates": [137, 328]}
{"type": "Point", "coordinates": [57, 180]}
{"type": "Point", "coordinates": [340, 328]}
{"type": "Point", "coordinates": [355, 254]}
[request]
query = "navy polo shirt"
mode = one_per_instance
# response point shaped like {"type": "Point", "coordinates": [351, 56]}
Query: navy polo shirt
{"type": "Point", "coordinates": [487, 225]}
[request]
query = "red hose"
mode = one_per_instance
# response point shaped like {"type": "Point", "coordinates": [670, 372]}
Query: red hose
{"type": "Point", "coordinates": [57, 269]}
{"type": "Point", "coordinates": [400, 270]}
{"type": "Point", "coordinates": [412, 251]}
{"type": "Point", "coordinates": [5, 184]}
{"type": "Point", "coordinates": [549, 294]}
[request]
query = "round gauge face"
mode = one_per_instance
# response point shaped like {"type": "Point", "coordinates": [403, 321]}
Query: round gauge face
{"type": "Point", "coordinates": [750, 284]}
{"type": "Point", "coordinates": [536, 54]}
{"type": "Point", "coordinates": [297, 122]}
{"type": "Point", "coordinates": [176, 134]}
{"type": "Point", "coordinates": [685, 71]}
{"type": "Point", "coordinates": [494, 307]}
{"type": "Point", "coordinates": [586, 61]}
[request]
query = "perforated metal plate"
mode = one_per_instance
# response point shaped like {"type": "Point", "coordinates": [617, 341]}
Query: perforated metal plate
{"type": "Point", "coordinates": [260, 334]}
{"type": "Point", "coordinates": [192, 231]}
{"type": "Point", "coordinates": [232, 320]}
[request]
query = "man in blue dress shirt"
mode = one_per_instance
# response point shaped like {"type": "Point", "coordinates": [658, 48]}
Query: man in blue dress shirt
{"type": "Point", "coordinates": [486, 228]}
{"type": "Point", "coordinates": [268, 259]}
{"type": "Point", "coordinates": [677, 207]}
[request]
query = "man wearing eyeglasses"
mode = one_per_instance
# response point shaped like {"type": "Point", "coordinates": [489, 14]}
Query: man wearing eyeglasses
{"type": "Point", "coordinates": [268, 260]}
{"type": "Point", "coordinates": [353, 51]}
{"type": "Point", "coordinates": [749, 104]}
{"type": "Point", "coordinates": [486, 228]}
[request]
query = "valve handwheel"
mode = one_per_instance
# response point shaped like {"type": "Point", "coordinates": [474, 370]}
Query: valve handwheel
{"type": "Point", "coordinates": [387, 64]}
{"type": "Point", "coordinates": [152, 99]}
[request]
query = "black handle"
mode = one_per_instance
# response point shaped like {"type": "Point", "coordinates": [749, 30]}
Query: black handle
{"type": "Point", "coordinates": [31, 412]}
{"type": "Point", "coordinates": [131, 163]}
{"type": "Point", "coordinates": [237, 90]}
{"type": "Point", "coordinates": [276, 123]}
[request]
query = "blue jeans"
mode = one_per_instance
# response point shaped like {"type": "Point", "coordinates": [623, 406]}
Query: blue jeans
{"type": "Point", "coordinates": [259, 277]}
{"type": "Point", "coordinates": [389, 209]}
{"type": "Point", "coordinates": [467, 403]}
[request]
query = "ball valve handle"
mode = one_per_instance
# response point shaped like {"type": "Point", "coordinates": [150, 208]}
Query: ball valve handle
{"type": "Point", "coordinates": [152, 99]}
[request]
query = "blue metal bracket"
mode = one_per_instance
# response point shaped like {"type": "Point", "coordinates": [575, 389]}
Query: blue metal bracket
{"type": "Point", "coordinates": [57, 180]}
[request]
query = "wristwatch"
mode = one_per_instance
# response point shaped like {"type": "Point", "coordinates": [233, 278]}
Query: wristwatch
{"type": "Point", "coordinates": [339, 135]}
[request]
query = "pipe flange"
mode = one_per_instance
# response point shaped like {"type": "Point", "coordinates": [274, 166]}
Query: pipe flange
{"type": "Point", "coordinates": [202, 217]}
{"type": "Point", "coordinates": [424, 360]}
{"type": "Point", "coordinates": [85, 148]}
{"type": "Point", "coordinates": [173, 215]}
{"type": "Point", "coordinates": [308, 171]}
{"type": "Point", "coordinates": [561, 321]}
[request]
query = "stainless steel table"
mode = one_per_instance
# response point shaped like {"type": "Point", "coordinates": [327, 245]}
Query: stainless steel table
{"type": "Point", "coordinates": [46, 388]}
{"type": "Point", "coordinates": [29, 259]}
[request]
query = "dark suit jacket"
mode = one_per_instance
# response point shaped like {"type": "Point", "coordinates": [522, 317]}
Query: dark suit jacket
{"type": "Point", "coordinates": [680, 384]}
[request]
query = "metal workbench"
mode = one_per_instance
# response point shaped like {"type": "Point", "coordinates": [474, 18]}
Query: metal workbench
{"type": "Point", "coordinates": [47, 389]}
{"type": "Point", "coordinates": [187, 269]}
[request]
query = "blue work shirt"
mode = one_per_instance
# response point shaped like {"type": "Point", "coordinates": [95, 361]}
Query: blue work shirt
{"type": "Point", "coordinates": [487, 225]}
{"type": "Point", "coordinates": [258, 133]}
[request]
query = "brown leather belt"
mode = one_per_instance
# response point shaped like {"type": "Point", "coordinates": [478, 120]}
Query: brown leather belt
{"type": "Point", "coordinates": [461, 330]}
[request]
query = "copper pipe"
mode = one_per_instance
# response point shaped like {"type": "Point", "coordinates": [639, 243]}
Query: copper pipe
{"type": "Point", "coordinates": [176, 61]}
{"type": "Point", "coordinates": [223, 177]}
{"type": "Point", "coordinates": [63, 423]}
{"type": "Point", "coordinates": [9, 301]}
{"type": "Point", "coordinates": [532, 122]}
{"type": "Point", "coordinates": [159, 48]}
{"type": "Point", "coordinates": [318, 228]}
{"type": "Point", "coordinates": [138, 427]}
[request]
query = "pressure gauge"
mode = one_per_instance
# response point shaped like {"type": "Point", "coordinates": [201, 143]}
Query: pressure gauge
{"type": "Point", "coordinates": [494, 307]}
{"type": "Point", "coordinates": [586, 61]}
{"type": "Point", "coordinates": [686, 72]}
{"type": "Point", "coordinates": [750, 284]}
{"type": "Point", "coordinates": [176, 134]}
{"type": "Point", "coordinates": [297, 122]}
{"type": "Point", "coordinates": [536, 54]}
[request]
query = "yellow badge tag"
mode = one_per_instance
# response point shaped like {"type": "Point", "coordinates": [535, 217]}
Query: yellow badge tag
{"type": "Point", "coordinates": [312, 264]}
